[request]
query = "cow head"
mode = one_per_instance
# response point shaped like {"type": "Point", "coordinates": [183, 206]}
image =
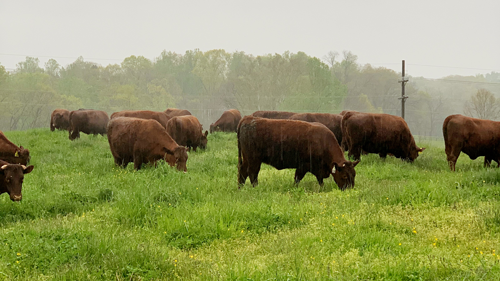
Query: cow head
{"type": "Point", "coordinates": [414, 153]}
{"type": "Point", "coordinates": [11, 179]}
{"type": "Point", "coordinates": [344, 174]}
{"type": "Point", "coordinates": [181, 156]}
{"type": "Point", "coordinates": [24, 155]}
{"type": "Point", "coordinates": [204, 140]}
{"type": "Point", "coordinates": [214, 128]}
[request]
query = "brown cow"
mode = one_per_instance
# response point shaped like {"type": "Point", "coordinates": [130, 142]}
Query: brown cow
{"type": "Point", "coordinates": [273, 114]}
{"type": "Point", "coordinates": [187, 131]}
{"type": "Point", "coordinates": [59, 119]}
{"type": "Point", "coordinates": [159, 116]}
{"type": "Point", "coordinates": [379, 133]}
{"type": "Point", "coordinates": [143, 141]}
{"type": "Point", "coordinates": [88, 121]}
{"type": "Point", "coordinates": [331, 121]}
{"type": "Point", "coordinates": [172, 112]}
{"type": "Point", "coordinates": [228, 122]}
{"type": "Point", "coordinates": [11, 153]}
{"type": "Point", "coordinates": [472, 136]}
{"type": "Point", "coordinates": [11, 179]}
{"type": "Point", "coordinates": [291, 144]}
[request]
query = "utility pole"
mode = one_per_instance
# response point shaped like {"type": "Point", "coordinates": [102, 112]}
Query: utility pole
{"type": "Point", "coordinates": [403, 97]}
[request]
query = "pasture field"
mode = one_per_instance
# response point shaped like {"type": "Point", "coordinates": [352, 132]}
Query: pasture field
{"type": "Point", "coordinates": [82, 218]}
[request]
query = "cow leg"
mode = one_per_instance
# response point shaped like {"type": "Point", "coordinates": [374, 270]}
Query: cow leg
{"type": "Point", "coordinates": [354, 152]}
{"type": "Point", "coordinates": [320, 180]}
{"type": "Point", "coordinates": [452, 161]}
{"type": "Point", "coordinates": [242, 173]}
{"type": "Point", "coordinates": [138, 159]}
{"type": "Point", "coordinates": [253, 173]}
{"type": "Point", "coordinates": [487, 161]}
{"type": "Point", "coordinates": [299, 175]}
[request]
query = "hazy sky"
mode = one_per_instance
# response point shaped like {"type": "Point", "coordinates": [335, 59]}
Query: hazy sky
{"type": "Point", "coordinates": [436, 38]}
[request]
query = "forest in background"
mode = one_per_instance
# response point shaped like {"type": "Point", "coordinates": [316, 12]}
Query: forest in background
{"type": "Point", "coordinates": [208, 83]}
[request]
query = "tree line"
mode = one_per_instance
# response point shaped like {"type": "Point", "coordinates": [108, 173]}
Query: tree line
{"type": "Point", "coordinates": [207, 83]}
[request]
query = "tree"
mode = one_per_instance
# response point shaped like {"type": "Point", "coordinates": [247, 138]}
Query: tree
{"type": "Point", "coordinates": [52, 68]}
{"type": "Point", "coordinates": [483, 105]}
{"type": "Point", "coordinates": [30, 65]}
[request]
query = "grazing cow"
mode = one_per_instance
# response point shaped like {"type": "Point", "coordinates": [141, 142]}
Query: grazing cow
{"type": "Point", "coordinates": [11, 179]}
{"type": "Point", "coordinates": [143, 141]}
{"type": "Point", "coordinates": [187, 130]}
{"type": "Point", "coordinates": [228, 122]}
{"type": "Point", "coordinates": [331, 121]}
{"type": "Point", "coordinates": [161, 117]}
{"type": "Point", "coordinates": [273, 114]}
{"type": "Point", "coordinates": [87, 121]}
{"type": "Point", "coordinates": [472, 136]}
{"type": "Point", "coordinates": [11, 153]}
{"type": "Point", "coordinates": [379, 133]}
{"type": "Point", "coordinates": [291, 144]}
{"type": "Point", "coordinates": [59, 119]}
{"type": "Point", "coordinates": [172, 112]}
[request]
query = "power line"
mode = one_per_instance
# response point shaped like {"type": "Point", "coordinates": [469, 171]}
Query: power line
{"type": "Point", "coordinates": [58, 57]}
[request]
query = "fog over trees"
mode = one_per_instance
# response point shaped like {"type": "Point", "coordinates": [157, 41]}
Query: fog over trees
{"type": "Point", "coordinates": [208, 83]}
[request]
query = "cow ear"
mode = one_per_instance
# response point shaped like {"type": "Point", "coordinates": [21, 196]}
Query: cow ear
{"type": "Point", "coordinates": [27, 170]}
{"type": "Point", "coordinates": [420, 150]}
{"type": "Point", "coordinates": [206, 133]}
{"type": "Point", "coordinates": [355, 163]}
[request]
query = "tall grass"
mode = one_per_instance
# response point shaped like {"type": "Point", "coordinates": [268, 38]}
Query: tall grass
{"type": "Point", "coordinates": [83, 218]}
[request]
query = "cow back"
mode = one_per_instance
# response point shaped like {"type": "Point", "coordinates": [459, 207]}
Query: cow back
{"type": "Point", "coordinates": [270, 114]}
{"type": "Point", "coordinates": [161, 117]}
{"type": "Point", "coordinates": [331, 121]}
{"type": "Point", "coordinates": [12, 153]}
{"type": "Point", "coordinates": [172, 112]}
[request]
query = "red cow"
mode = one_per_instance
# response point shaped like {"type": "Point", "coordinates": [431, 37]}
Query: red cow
{"type": "Point", "coordinates": [291, 144]}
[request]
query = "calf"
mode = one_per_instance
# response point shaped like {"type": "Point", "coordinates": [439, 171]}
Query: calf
{"type": "Point", "coordinates": [228, 122]}
{"type": "Point", "coordinates": [187, 131]}
{"type": "Point", "coordinates": [88, 121]}
{"type": "Point", "coordinates": [59, 119]}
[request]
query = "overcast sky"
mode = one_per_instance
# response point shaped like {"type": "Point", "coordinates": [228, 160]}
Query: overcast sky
{"type": "Point", "coordinates": [436, 38]}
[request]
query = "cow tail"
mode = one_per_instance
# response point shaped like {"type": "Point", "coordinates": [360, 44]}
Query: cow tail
{"type": "Point", "coordinates": [70, 122]}
{"type": "Point", "coordinates": [445, 130]}
{"type": "Point", "coordinates": [445, 133]}
{"type": "Point", "coordinates": [240, 160]}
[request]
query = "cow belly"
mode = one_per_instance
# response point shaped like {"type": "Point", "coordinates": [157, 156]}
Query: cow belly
{"type": "Point", "coordinates": [475, 152]}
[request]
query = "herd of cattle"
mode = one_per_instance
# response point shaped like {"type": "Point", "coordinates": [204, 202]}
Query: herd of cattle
{"type": "Point", "coordinates": [307, 142]}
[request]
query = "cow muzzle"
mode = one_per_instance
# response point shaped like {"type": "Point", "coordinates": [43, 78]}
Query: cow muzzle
{"type": "Point", "coordinates": [16, 198]}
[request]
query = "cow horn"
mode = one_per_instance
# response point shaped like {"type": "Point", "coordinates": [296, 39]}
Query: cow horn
{"type": "Point", "coordinates": [24, 167]}
{"type": "Point", "coordinates": [333, 170]}
{"type": "Point", "coordinates": [4, 167]}
{"type": "Point", "coordinates": [343, 165]}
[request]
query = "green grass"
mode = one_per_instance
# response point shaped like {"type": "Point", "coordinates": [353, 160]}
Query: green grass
{"type": "Point", "coordinates": [83, 218]}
